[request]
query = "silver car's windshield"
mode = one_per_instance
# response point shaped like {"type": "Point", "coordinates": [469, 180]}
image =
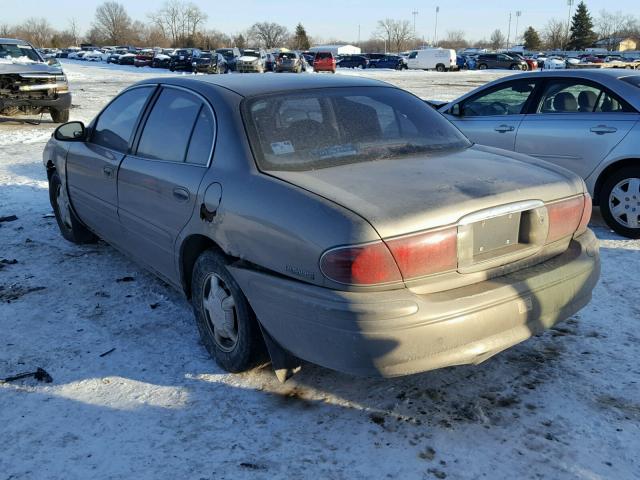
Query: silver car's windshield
{"type": "Point", "coordinates": [329, 127]}
{"type": "Point", "coordinates": [18, 52]}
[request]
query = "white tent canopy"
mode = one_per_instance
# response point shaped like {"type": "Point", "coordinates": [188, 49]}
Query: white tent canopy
{"type": "Point", "coordinates": [337, 49]}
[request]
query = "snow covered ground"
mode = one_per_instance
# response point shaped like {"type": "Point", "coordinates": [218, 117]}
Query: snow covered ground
{"type": "Point", "coordinates": [561, 406]}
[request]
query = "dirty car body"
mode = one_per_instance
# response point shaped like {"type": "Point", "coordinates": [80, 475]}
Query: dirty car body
{"type": "Point", "coordinates": [366, 233]}
{"type": "Point", "coordinates": [29, 85]}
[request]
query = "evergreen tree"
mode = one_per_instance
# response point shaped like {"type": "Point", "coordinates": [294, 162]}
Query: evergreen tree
{"type": "Point", "coordinates": [532, 40]}
{"type": "Point", "coordinates": [582, 34]}
{"type": "Point", "coordinates": [300, 39]}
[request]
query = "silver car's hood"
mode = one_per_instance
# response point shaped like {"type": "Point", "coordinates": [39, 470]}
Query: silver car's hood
{"type": "Point", "coordinates": [29, 67]}
{"type": "Point", "coordinates": [413, 194]}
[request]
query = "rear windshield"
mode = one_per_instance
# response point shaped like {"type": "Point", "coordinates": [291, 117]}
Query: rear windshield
{"type": "Point", "coordinates": [287, 55]}
{"type": "Point", "coordinates": [323, 55]}
{"type": "Point", "coordinates": [634, 80]}
{"type": "Point", "coordinates": [20, 53]}
{"type": "Point", "coordinates": [329, 127]}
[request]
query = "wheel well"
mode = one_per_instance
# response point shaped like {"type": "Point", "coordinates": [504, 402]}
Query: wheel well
{"type": "Point", "coordinates": [191, 249]}
{"type": "Point", "coordinates": [50, 169]}
{"type": "Point", "coordinates": [629, 162]}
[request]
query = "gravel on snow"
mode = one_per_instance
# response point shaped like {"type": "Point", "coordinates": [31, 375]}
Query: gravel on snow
{"type": "Point", "coordinates": [563, 405]}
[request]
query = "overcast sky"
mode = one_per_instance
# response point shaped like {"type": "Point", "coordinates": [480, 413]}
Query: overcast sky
{"type": "Point", "coordinates": [328, 19]}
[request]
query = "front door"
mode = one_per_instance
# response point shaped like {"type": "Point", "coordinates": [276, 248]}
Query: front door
{"type": "Point", "coordinates": [92, 167]}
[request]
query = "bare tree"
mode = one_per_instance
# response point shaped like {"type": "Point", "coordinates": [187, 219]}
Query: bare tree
{"type": "Point", "coordinates": [610, 26]}
{"type": "Point", "coordinates": [112, 23]}
{"type": "Point", "coordinates": [268, 34]}
{"type": "Point", "coordinates": [396, 33]}
{"type": "Point", "coordinates": [497, 39]}
{"type": "Point", "coordinates": [239, 40]}
{"type": "Point", "coordinates": [455, 39]}
{"type": "Point", "coordinates": [6, 30]}
{"type": "Point", "coordinates": [36, 31]}
{"type": "Point", "coordinates": [73, 30]}
{"type": "Point", "coordinates": [180, 21]}
{"type": "Point", "coordinates": [555, 34]}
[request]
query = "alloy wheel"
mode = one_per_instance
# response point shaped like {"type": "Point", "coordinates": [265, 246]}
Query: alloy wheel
{"type": "Point", "coordinates": [220, 310]}
{"type": "Point", "coordinates": [624, 202]}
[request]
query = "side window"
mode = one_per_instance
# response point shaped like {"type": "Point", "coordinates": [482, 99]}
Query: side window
{"type": "Point", "coordinates": [116, 123]}
{"type": "Point", "coordinates": [168, 128]}
{"type": "Point", "coordinates": [202, 139]}
{"type": "Point", "coordinates": [570, 97]}
{"type": "Point", "coordinates": [507, 100]}
{"type": "Point", "coordinates": [413, 54]}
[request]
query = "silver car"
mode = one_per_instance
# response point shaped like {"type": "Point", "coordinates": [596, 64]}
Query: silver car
{"type": "Point", "coordinates": [587, 121]}
{"type": "Point", "coordinates": [336, 220]}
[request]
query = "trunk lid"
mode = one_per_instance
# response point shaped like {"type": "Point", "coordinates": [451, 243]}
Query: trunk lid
{"type": "Point", "coordinates": [420, 193]}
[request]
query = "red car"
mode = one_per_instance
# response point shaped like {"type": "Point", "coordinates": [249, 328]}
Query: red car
{"type": "Point", "coordinates": [324, 62]}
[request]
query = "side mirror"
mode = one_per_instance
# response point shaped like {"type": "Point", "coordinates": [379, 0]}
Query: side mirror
{"type": "Point", "coordinates": [456, 110]}
{"type": "Point", "coordinates": [70, 132]}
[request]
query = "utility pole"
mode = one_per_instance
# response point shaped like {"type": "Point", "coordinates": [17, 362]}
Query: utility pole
{"type": "Point", "coordinates": [415, 14]}
{"type": "Point", "coordinates": [570, 4]}
{"type": "Point", "coordinates": [359, 35]}
{"type": "Point", "coordinates": [515, 38]}
{"type": "Point", "coordinates": [509, 32]}
{"type": "Point", "coordinates": [435, 31]}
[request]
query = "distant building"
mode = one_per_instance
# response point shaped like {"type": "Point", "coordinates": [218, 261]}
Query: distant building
{"type": "Point", "coordinates": [617, 44]}
{"type": "Point", "coordinates": [337, 49]}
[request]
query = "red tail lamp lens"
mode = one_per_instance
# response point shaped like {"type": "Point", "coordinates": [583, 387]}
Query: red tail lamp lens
{"type": "Point", "coordinates": [425, 253]}
{"type": "Point", "coordinates": [586, 214]}
{"type": "Point", "coordinates": [565, 217]}
{"type": "Point", "coordinates": [361, 265]}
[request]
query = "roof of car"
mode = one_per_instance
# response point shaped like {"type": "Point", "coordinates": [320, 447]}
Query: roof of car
{"type": "Point", "coordinates": [592, 73]}
{"type": "Point", "coordinates": [13, 41]}
{"type": "Point", "coordinates": [250, 85]}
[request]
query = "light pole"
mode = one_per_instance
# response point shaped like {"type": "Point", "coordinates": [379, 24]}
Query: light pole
{"type": "Point", "coordinates": [570, 4]}
{"type": "Point", "coordinates": [518, 13]}
{"type": "Point", "coordinates": [509, 32]}
{"type": "Point", "coordinates": [435, 30]}
{"type": "Point", "coordinates": [415, 14]}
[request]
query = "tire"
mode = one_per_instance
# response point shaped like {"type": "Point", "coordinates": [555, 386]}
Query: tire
{"type": "Point", "coordinates": [69, 225]}
{"type": "Point", "coordinates": [440, 68]}
{"type": "Point", "coordinates": [59, 116]}
{"type": "Point", "coordinates": [620, 190]}
{"type": "Point", "coordinates": [482, 66]}
{"type": "Point", "coordinates": [213, 285]}
{"type": "Point", "coordinates": [515, 67]}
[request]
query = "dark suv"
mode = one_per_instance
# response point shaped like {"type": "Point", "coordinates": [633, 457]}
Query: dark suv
{"type": "Point", "coordinates": [29, 85]}
{"type": "Point", "coordinates": [353, 61]}
{"type": "Point", "coordinates": [500, 60]}
{"type": "Point", "coordinates": [183, 59]}
{"type": "Point", "coordinates": [230, 55]}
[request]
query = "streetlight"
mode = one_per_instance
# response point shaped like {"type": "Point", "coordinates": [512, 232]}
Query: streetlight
{"type": "Point", "coordinates": [415, 14]}
{"type": "Point", "coordinates": [518, 13]}
{"type": "Point", "coordinates": [509, 32]}
{"type": "Point", "coordinates": [570, 4]}
{"type": "Point", "coordinates": [435, 31]}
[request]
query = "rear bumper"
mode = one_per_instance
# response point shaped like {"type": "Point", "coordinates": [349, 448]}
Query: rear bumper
{"type": "Point", "coordinates": [61, 101]}
{"type": "Point", "coordinates": [399, 332]}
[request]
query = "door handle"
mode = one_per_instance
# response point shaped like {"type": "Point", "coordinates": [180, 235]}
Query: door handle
{"type": "Point", "coordinates": [107, 171]}
{"type": "Point", "coordinates": [181, 194]}
{"type": "Point", "coordinates": [505, 128]}
{"type": "Point", "coordinates": [603, 129]}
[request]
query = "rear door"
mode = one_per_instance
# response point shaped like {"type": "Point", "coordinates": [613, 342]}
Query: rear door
{"type": "Point", "coordinates": [492, 117]}
{"type": "Point", "coordinates": [92, 166]}
{"type": "Point", "coordinates": [157, 186]}
{"type": "Point", "coordinates": [575, 124]}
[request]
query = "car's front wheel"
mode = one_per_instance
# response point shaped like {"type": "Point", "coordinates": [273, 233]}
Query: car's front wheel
{"type": "Point", "coordinates": [482, 66]}
{"type": "Point", "coordinates": [620, 202]}
{"type": "Point", "coordinates": [227, 325]}
{"type": "Point", "coordinates": [60, 116]}
{"type": "Point", "coordinates": [68, 223]}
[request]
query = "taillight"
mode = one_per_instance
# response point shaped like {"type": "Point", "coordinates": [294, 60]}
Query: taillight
{"type": "Point", "coordinates": [425, 253]}
{"type": "Point", "coordinates": [566, 217]}
{"type": "Point", "coordinates": [369, 264]}
{"type": "Point", "coordinates": [586, 215]}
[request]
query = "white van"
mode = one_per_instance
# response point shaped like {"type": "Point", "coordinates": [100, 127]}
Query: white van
{"type": "Point", "coordinates": [440, 59]}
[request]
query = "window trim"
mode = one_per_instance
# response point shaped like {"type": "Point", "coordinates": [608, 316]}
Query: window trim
{"type": "Point", "coordinates": [141, 115]}
{"type": "Point", "coordinates": [143, 122]}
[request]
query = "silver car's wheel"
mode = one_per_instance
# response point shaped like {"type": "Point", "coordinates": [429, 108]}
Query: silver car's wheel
{"type": "Point", "coordinates": [68, 223]}
{"type": "Point", "coordinates": [63, 206]}
{"type": "Point", "coordinates": [624, 202]}
{"type": "Point", "coordinates": [220, 309]}
{"type": "Point", "coordinates": [619, 199]}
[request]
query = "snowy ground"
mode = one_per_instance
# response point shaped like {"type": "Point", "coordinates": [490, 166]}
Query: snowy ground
{"type": "Point", "coordinates": [560, 406]}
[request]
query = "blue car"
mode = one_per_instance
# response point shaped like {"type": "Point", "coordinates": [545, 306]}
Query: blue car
{"type": "Point", "coordinates": [395, 62]}
{"type": "Point", "coordinates": [465, 62]}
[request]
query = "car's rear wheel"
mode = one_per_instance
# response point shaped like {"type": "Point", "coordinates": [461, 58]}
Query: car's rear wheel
{"type": "Point", "coordinates": [440, 68]}
{"type": "Point", "coordinates": [59, 116]}
{"type": "Point", "coordinates": [620, 202]}
{"type": "Point", "coordinates": [516, 67]}
{"type": "Point", "coordinates": [68, 223]}
{"type": "Point", "coordinates": [227, 325]}
{"type": "Point", "coordinates": [482, 66]}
